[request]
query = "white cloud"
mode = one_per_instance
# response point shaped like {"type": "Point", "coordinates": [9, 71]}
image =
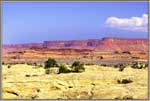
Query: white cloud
{"type": "Point", "coordinates": [133, 23]}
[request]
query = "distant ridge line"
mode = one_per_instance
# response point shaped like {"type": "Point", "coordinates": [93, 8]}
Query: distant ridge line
{"type": "Point", "coordinates": [120, 38]}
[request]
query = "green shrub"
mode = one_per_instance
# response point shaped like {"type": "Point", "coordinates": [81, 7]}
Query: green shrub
{"type": "Point", "coordinates": [63, 69]}
{"type": "Point", "coordinates": [104, 65]}
{"type": "Point", "coordinates": [3, 63]}
{"type": "Point", "coordinates": [9, 66]}
{"type": "Point", "coordinates": [50, 63]}
{"type": "Point", "coordinates": [120, 66]}
{"type": "Point", "coordinates": [77, 67]}
{"type": "Point", "coordinates": [35, 64]}
{"type": "Point", "coordinates": [146, 65]}
{"type": "Point", "coordinates": [137, 65]}
{"type": "Point", "coordinates": [124, 81]}
{"type": "Point", "coordinates": [89, 64]}
{"type": "Point", "coordinates": [27, 75]}
{"type": "Point", "coordinates": [76, 63]}
{"type": "Point", "coordinates": [127, 97]}
{"type": "Point", "coordinates": [124, 97]}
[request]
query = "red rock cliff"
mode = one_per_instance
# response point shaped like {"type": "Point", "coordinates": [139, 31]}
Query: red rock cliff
{"type": "Point", "coordinates": [106, 44]}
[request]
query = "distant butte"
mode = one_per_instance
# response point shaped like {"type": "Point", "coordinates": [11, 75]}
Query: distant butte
{"type": "Point", "coordinates": [104, 44]}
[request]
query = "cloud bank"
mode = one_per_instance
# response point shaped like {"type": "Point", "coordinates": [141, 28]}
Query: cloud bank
{"type": "Point", "coordinates": [131, 24]}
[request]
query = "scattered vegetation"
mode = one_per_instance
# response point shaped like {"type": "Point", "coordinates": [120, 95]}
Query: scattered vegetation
{"type": "Point", "coordinates": [125, 97]}
{"type": "Point", "coordinates": [50, 64]}
{"type": "Point", "coordinates": [137, 65]}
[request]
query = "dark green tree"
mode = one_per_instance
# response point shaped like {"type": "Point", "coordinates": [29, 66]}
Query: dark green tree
{"type": "Point", "coordinates": [50, 63]}
{"type": "Point", "coordinates": [77, 67]}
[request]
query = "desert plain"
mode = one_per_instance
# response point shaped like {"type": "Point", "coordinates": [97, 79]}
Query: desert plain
{"type": "Point", "coordinates": [22, 79]}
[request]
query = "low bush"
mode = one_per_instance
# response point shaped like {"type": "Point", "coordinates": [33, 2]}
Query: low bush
{"type": "Point", "coordinates": [63, 69]}
{"type": "Point", "coordinates": [3, 63]}
{"type": "Point", "coordinates": [103, 65]}
{"type": "Point", "coordinates": [27, 75]}
{"type": "Point", "coordinates": [124, 81]}
{"type": "Point", "coordinates": [50, 63]}
{"type": "Point", "coordinates": [9, 66]}
{"type": "Point", "coordinates": [35, 64]}
{"type": "Point", "coordinates": [120, 66]}
{"type": "Point", "coordinates": [77, 67]}
{"type": "Point", "coordinates": [137, 65]}
{"type": "Point", "coordinates": [89, 64]}
{"type": "Point", "coordinates": [125, 97]}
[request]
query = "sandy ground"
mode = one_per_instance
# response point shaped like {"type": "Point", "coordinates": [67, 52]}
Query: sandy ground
{"type": "Point", "coordinates": [96, 82]}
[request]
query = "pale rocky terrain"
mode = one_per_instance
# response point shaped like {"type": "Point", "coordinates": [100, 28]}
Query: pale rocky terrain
{"type": "Point", "coordinates": [97, 82]}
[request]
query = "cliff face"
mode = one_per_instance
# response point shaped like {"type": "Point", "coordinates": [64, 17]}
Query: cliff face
{"type": "Point", "coordinates": [118, 44]}
{"type": "Point", "coordinates": [106, 44]}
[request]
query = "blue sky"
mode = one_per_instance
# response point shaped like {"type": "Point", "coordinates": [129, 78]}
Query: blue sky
{"type": "Point", "coordinates": [27, 22]}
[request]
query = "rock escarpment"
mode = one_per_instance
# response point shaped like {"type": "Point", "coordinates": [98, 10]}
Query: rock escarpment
{"type": "Point", "coordinates": [105, 44]}
{"type": "Point", "coordinates": [93, 49]}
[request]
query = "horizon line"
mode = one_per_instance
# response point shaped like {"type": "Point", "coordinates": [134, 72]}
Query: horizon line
{"type": "Point", "coordinates": [78, 40]}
